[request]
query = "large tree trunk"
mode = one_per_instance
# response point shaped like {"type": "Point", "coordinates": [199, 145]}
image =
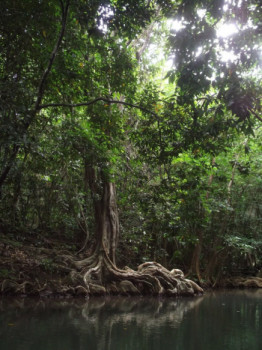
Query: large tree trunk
{"type": "Point", "coordinates": [107, 222]}
{"type": "Point", "coordinates": [98, 274]}
{"type": "Point", "coordinates": [103, 193]}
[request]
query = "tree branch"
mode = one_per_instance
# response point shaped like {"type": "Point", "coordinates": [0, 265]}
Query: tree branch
{"type": "Point", "coordinates": [255, 114]}
{"type": "Point", "coordinates": [88, 103]}
{"type": "Point", "coordinates": [52, 57]}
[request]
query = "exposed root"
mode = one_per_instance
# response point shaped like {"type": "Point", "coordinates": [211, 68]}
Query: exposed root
{"type": "Point", "coordinates": [195, 286]}
{"type": "Point", "coordinates": [100, 276]}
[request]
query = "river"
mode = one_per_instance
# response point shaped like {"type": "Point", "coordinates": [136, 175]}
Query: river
{"type": "Point", "coordinates": [228, 320]}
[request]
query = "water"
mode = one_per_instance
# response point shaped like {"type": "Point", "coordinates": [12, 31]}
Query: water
{"type": "Point", "coordinates": [222, 320]}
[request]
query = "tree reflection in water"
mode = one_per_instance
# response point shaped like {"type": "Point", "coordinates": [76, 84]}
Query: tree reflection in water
{"type": "Point", "coordinates": [115, 322]}
{"type": "Point", "coordinates": [222, 320]}
{"type": "Point", "coordinates": [98, 323]}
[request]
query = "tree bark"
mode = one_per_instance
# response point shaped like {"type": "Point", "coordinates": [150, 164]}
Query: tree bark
{"type": "Point", "coordinates": [107, 222]}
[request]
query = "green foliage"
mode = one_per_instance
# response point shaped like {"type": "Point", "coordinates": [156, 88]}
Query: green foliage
{"type": "Point", "coordinates": [198, 49]}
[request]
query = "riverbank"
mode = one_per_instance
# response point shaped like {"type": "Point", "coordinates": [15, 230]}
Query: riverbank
{"type": "Point", "coordinates": [39, 268]}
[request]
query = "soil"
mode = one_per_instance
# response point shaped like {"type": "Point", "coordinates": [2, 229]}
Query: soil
{"type": "Point", "coordinates": [34, 267]}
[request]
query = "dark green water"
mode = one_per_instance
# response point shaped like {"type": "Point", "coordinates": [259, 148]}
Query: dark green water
{"type": "Point", "coordinates": [216, 321]}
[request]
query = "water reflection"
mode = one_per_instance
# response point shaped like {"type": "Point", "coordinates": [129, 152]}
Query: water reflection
{"type": "Point", "coordinates": [224, 320]}
{"type": "Point", "coordinates": [128, 321]}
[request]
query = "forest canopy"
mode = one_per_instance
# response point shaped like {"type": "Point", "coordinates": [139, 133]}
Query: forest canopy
{"type": "Point", "coordinates": [130, 131]}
